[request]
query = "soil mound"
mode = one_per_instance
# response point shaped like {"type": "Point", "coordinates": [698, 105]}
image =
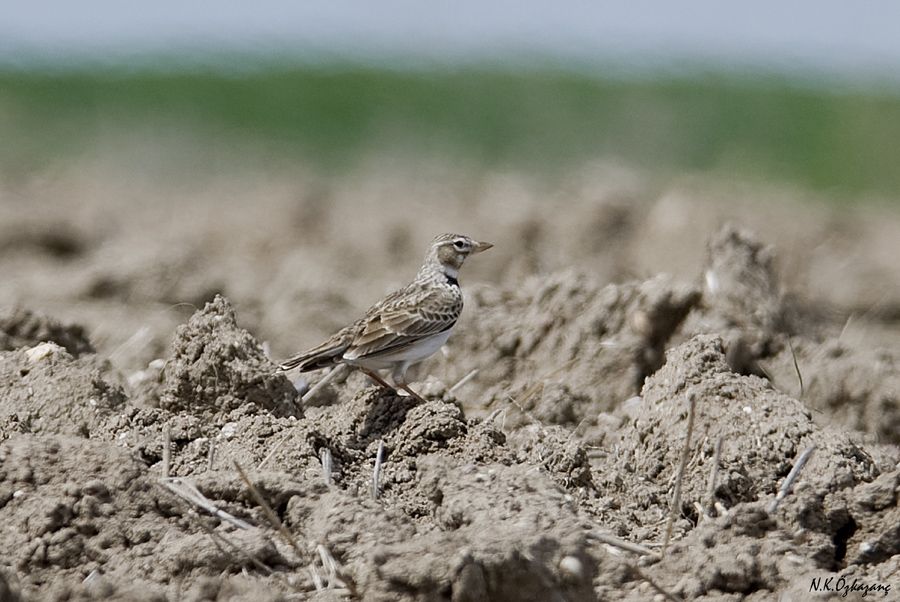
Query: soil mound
{"type": "Point", "coordinates": [217, 366]}
{"type": "Point", "coordinates": [751, 552]}
{"type": "Point", "coordinates": [855, 387]}
{"type": "Point", "coordinates": [452, 500]}
{"type": "Point", "coordinates": [565, 347]}
{"type": "Point", "coordinates": [23, 328]}
{"type": "Point", "coordinates": [741, 300]}
{"type": "Point", "coordinates": [46, 390]}
{"type": "Point", "coordinates": [83, 518]}
{"type": "Point", "coordinates": [511, 485]}
{"type": "Point", "coordinates": [762, 431]}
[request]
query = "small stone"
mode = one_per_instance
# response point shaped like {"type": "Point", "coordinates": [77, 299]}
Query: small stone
{"type": "Point", "coordinates": [229, 430]}
{"type": "Point", "coordinates": [632, 406]}
{"type": "Point", "coordinates": [42, 351]}
{"type": "Point", "coordinates": [571, 567]}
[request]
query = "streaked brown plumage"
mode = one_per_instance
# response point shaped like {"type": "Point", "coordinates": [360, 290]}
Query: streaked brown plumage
{"type": "Point", "coordinates": [405, 327]}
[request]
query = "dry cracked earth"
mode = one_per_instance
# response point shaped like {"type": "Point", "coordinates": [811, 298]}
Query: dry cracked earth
{"type": "Point", "coordinates": [615, 334]}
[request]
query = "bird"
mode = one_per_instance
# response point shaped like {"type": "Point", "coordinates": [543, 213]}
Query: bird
{"type": "Point", "coordinates": [407, 326]}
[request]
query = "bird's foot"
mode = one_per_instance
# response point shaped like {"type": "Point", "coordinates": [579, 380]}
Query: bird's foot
{"type": "Point", "coordinates": [412, 393]}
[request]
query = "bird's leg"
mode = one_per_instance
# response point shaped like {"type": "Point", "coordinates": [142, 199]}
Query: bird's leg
{"type": "Point", "coordinates": [374, 376]}
{"type": "Point", "coordinates": [399, 376]}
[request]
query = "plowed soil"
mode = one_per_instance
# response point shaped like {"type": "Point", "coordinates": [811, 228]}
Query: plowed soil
{"type": "Point", "coordinates": [617, 332]}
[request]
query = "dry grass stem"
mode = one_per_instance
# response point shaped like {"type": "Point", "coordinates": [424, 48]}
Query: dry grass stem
{"type": "Point", "coordinates": [333, 573]}
{"type": "Point", "coordinates": [713, 477]}
{"type": "Point", "coordinates": [329, 376]}
{"type": "Point", "coordinates": [166, 450]}
{"type": "Point", "coordinates": [376, 474]}
{"type": "Point", "coordinates": [92, 576]}
{"type": "Point", "coordinates": [685, 452]}
{"type": "Point", "coordinates": [139, 339]}
{"type": "Point", "coordinates": [796, 366]}
{"type": "Point", "coordinates": [217, 537]}
{"type": "Point", "coordinates": [472, 374]}
{"type": "Point", "coordinates": [525, 412]}
{"type": "Point", "coordinates": [334, 579]}
{"type": "Point", "coordinates": [846, 326]}
{"type": "Point", "coordinates": [792, 476]}
{"type": "Point", "coordinates": [316, 578]}
{"type": "Point", "coordinates": [275, 448]}
{"type": "Point", "coordinates": [211, 457]}
{"type": "Point", "coordinates": [634, 548]}
{"type": "Point", "coordinates": [270, 514]}
{"type": "Point", "coordinates": [187, 491]}
{"type": "Point", "coordinates": [492, 416]}
{"type": "Point", "coordinates": [325, 457]}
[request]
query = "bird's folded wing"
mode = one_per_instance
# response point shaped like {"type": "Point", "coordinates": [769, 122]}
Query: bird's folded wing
{"type": "Point", "coordinates": [401, 322]}
{"type": "Point", "coordinates": [323, 354]}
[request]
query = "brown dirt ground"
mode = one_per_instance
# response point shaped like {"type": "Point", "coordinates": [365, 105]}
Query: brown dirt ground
{"type": "Point", "coordinates": [607, 310]}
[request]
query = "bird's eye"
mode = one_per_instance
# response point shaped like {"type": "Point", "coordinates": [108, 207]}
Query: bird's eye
{"type": "Point", "coordinates": [459, 244]}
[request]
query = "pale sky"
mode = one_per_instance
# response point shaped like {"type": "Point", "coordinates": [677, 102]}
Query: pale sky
{"type": "Point", "coordinates": [838, 37]}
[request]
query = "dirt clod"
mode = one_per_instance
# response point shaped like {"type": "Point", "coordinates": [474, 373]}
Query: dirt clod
{"type": "Point", "coordinates": [763, 431]}
{"type": "Point", "coordinates": [46, 390]}
{"type": "Point", "coordinates": [555, 420]}
{"type": "Point", "coordinates": [741, 300]}
{"type": "Point", "coordinates": [567, 347]}
{"type": "Point", "coordinates": [217, 366]}
{"type": "Point", "coordinates": [23, 328]}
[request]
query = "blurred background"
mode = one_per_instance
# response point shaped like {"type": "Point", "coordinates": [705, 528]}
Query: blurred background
{"type": "Point", "coordinates": [297, 156]}
{"type": "Point", "coordinates": [803, 92]}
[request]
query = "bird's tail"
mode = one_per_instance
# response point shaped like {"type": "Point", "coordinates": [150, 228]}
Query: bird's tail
{"type": "Point", "coordinates": [326, 354]}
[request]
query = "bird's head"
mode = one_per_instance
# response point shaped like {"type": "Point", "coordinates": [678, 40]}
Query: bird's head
{"type": "Point", "coordinates": [451, 251]}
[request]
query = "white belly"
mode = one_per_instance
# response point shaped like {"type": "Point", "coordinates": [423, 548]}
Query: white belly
{"type": "Point", "coordinates": [410, 355]}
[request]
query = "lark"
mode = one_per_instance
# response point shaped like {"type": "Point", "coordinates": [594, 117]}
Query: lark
{"type": "Point", "coordinates": [407, 326]}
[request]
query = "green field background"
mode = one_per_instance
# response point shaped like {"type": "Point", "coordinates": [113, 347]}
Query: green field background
{"type": "Point", "coordinates": [840, 140]}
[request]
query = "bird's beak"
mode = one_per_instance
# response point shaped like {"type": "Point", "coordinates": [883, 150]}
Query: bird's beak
{"type": "Point", "coordinates": [482, 246]}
